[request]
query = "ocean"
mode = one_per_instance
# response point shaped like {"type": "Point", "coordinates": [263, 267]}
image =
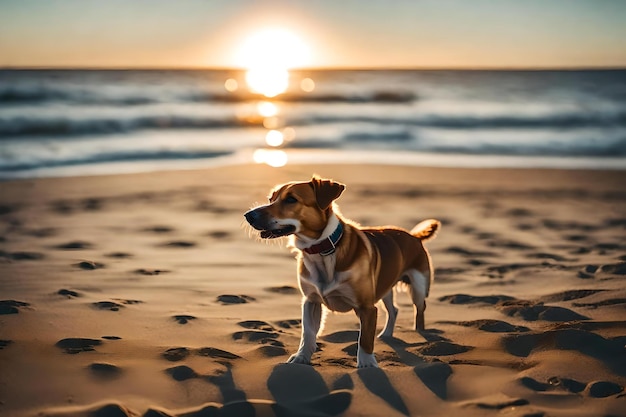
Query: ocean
{"type": "Point", "coordinates": [80, 122]}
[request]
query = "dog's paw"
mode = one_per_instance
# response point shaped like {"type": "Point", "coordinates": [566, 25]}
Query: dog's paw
{"type": "Point", "coordinates": [295, 358]}
{"type": "Point", "coordinates": [366, 360]}
{"type": "Point", "coordinates": [367, 365]}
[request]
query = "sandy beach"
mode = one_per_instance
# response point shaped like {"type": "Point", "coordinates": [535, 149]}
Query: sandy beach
{"type": "Point", "coordinates": [144, 295]}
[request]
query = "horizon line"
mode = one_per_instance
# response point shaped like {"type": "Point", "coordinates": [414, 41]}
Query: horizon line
{"type": "Point", "coordinates": [329, 68]}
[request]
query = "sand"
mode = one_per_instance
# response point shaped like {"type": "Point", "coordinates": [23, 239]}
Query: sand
{"type": "Point", "coordinates": [144, 295]}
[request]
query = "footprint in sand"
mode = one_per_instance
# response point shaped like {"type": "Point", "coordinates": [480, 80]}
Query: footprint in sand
{"type": "Point", "coordinates": [520, 212]}
{"type": "Point", "coordinates": [77, 345]}
{"type": "Point", "coordinates": [595, 389]}
{"type": "Point", "coordinates": [608, 302]}
{"type": "Point", "coordinates": [554, 383]}
{"type": "Point", "coordinates": [183, 318]}
{"type": "Point", "coordinates": [254, 335]}
{"type": "Point", "coordinates": [235, 299]}
{"type": "Point", "coordinates": [474, 299]}
{"type": "Point", "coordinates": [143, 271]}
{"type": "Point", "coordinates": [290, 323]}
{"type": "Point", "coordinates": [569, 295]}
{"type": "Point", "coordinates": [259, 336]}
{"type": "Point", "coordinates": [182, 373]}
{"type": "Point", "coordinates": [74, 245]}
{"type": "Point", "coordinates": [212, 352]}
{"type": "Point", "coordinates": [487, 325]}
{"type": "Point", "coordinates": [512, 307]}
{"type": "Point", "coordinates": [509, 244]}
{"type": "Point", "coordinates": [271, 351]}
{"type": "Point", "coordinates": [551, 256]}
{"type": "Point", "coordinates": [532, 311]}
{"type": "Point", "coordinates": [560, 225]}
{"type": "Point", "coordinates": [68, 293]}
{"type": "Point", "coordinates": [11, 306]}
{"type": "Point", "coordinates": [105, 370]}
{"type": "Point", "coordinates": [119, 255]}
{"type": "Point", "coordinates": [603, 389]}
{"type": "Point", "coordinates": [22, 256]}
{"type": "Point", "coordinates": [107, 305]}
{"type": "Point", "coordinates": [218, 234]}
{"type": "Point", "coordinates": [176, 354]}
{"type": "Point", "coordinates": [588, 271]}
{"type": "Point", "coordinates": [284, 289]}
{"type": "Point", "coordinates": [441, 348]}
{"type": "Point", "coordinates": [92, 204]}
{"type": "Point", "coordinates": [615, 222]}
{"type": "Point", "coordinates": [88, 265]}
{"type": "Point", "coordinates": [501, 405]}
{"type": "Point", "coordinates": [179, 244]}
{"type": "Point", "coordinates": [62, 207]}
{"type": "Point", "coordinates": [610, 351]}
{"type": "Point", "coordinates": [257, 325]}
{"type": "Point", "coordinates": [158, 229]}
{"type": "Point", "coordinates": [614, 269]}
{"type": "Point", "coordinates": [466, 252]}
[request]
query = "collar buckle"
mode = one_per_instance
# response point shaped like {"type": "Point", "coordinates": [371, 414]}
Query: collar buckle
{"type": "Point", "coordinates": [323, 248]}
{"type": "Point", "coordinates": [331, 250]}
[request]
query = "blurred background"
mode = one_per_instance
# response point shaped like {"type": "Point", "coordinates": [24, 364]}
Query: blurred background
{"type": "Point", "coordinates": [107, 87]}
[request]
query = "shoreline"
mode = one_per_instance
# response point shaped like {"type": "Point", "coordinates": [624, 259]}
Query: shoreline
{"type": "Point", "coordinates": [325, 157]}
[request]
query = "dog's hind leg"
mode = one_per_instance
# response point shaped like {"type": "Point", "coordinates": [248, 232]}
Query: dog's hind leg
{"type": "Point", "coordinates": [419, 285]}
{"type": "Point", "coordinates": [392, 313]}
{"type": "Point", "coordinates": [311, 322]}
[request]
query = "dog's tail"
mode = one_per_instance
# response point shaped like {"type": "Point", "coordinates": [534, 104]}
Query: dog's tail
{"type": "Point", "coordinates": [427, 229]}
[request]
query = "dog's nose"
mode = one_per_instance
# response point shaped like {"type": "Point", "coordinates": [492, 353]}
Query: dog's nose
{"type": "Point", "coordinates": [251, 216]}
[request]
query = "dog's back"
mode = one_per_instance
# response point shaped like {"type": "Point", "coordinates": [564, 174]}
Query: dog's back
{"type": "Point", "coordinates": [399, 251]}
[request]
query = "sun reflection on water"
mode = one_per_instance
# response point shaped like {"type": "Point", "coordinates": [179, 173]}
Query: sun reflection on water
{"type": "Point", "coordinates": [272, 157]}
{"type": "Point", "coordinates": [268, 81]}
{"type": "Point", "coordinates": [269, 56]}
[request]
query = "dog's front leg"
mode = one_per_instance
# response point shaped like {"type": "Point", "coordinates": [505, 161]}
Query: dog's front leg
{"type": "Point", "coordinates": [365, 354]}
{"type": "Point", "coordinates": [311, 320]}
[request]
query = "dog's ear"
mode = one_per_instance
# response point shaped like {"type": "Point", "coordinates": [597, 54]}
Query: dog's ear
{"type": "Point", "coordinates": [326, 191]}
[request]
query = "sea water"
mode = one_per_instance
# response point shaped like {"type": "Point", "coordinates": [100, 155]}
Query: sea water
{"type": "Point", "coordinates": [77, 122]}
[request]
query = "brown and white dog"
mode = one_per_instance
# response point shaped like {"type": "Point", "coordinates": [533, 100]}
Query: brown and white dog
{"type": "Point", "coordinates": [345, 266]}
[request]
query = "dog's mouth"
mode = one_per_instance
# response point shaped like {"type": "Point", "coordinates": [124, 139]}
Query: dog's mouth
{"type": "Point", "coordinates": [280, 232]}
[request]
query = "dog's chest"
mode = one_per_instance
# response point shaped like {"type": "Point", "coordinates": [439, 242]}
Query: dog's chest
{"type": "Point", "coordinates": [320, 282]}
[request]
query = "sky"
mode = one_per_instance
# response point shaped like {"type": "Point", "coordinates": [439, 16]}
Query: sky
{"type": "Point", "coordinates": [337, 33]}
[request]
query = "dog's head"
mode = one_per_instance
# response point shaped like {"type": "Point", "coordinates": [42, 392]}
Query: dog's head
{"type": "Point", "coordinates": [296, 207]}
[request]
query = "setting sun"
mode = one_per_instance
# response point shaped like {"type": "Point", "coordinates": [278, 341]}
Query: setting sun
{"type": "Point", "coordinates": [268, 55]}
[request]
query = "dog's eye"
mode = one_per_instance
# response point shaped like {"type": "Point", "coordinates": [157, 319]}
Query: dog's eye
{"type": "Point", "coordinates": [290, 200]}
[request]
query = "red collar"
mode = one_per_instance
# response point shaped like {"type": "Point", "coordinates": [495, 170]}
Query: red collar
{"type": "Point", "coordinates": [327, 246]}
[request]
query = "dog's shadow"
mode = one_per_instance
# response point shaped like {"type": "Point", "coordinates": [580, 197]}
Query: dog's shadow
{"type": "Point", "coordinates": [300, 391]}
{"type": "Point", "coordinates": [434, 375]}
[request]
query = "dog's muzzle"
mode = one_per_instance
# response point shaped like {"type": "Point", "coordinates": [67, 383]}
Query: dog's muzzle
{"type": "Point", "coordinates": [259, 220]}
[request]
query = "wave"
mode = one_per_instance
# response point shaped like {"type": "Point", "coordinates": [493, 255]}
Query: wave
{"type": "Point", "coordinates": [42, 95]}
{"type": "Point", "coordinates": [578, 147]}
{"type": "Point", "coordinates": [33, 126]}
{"type": "Point", "coordinates": [612, 149]}
{"type": "Point", "coordinates": [553, 121]}
{"type": "Point", "coordinates": [121, 156]}
{"type": "Point", "coordinates": [60, 126]}
{"type": "Point", "coordinates": [29, 95]}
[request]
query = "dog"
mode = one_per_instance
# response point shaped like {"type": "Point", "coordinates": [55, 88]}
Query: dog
{"type": "Point", "coordinates": [343, 265]}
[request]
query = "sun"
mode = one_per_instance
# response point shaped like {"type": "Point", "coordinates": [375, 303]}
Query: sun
{"type": "Point", "coordinates": [268, 55]}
